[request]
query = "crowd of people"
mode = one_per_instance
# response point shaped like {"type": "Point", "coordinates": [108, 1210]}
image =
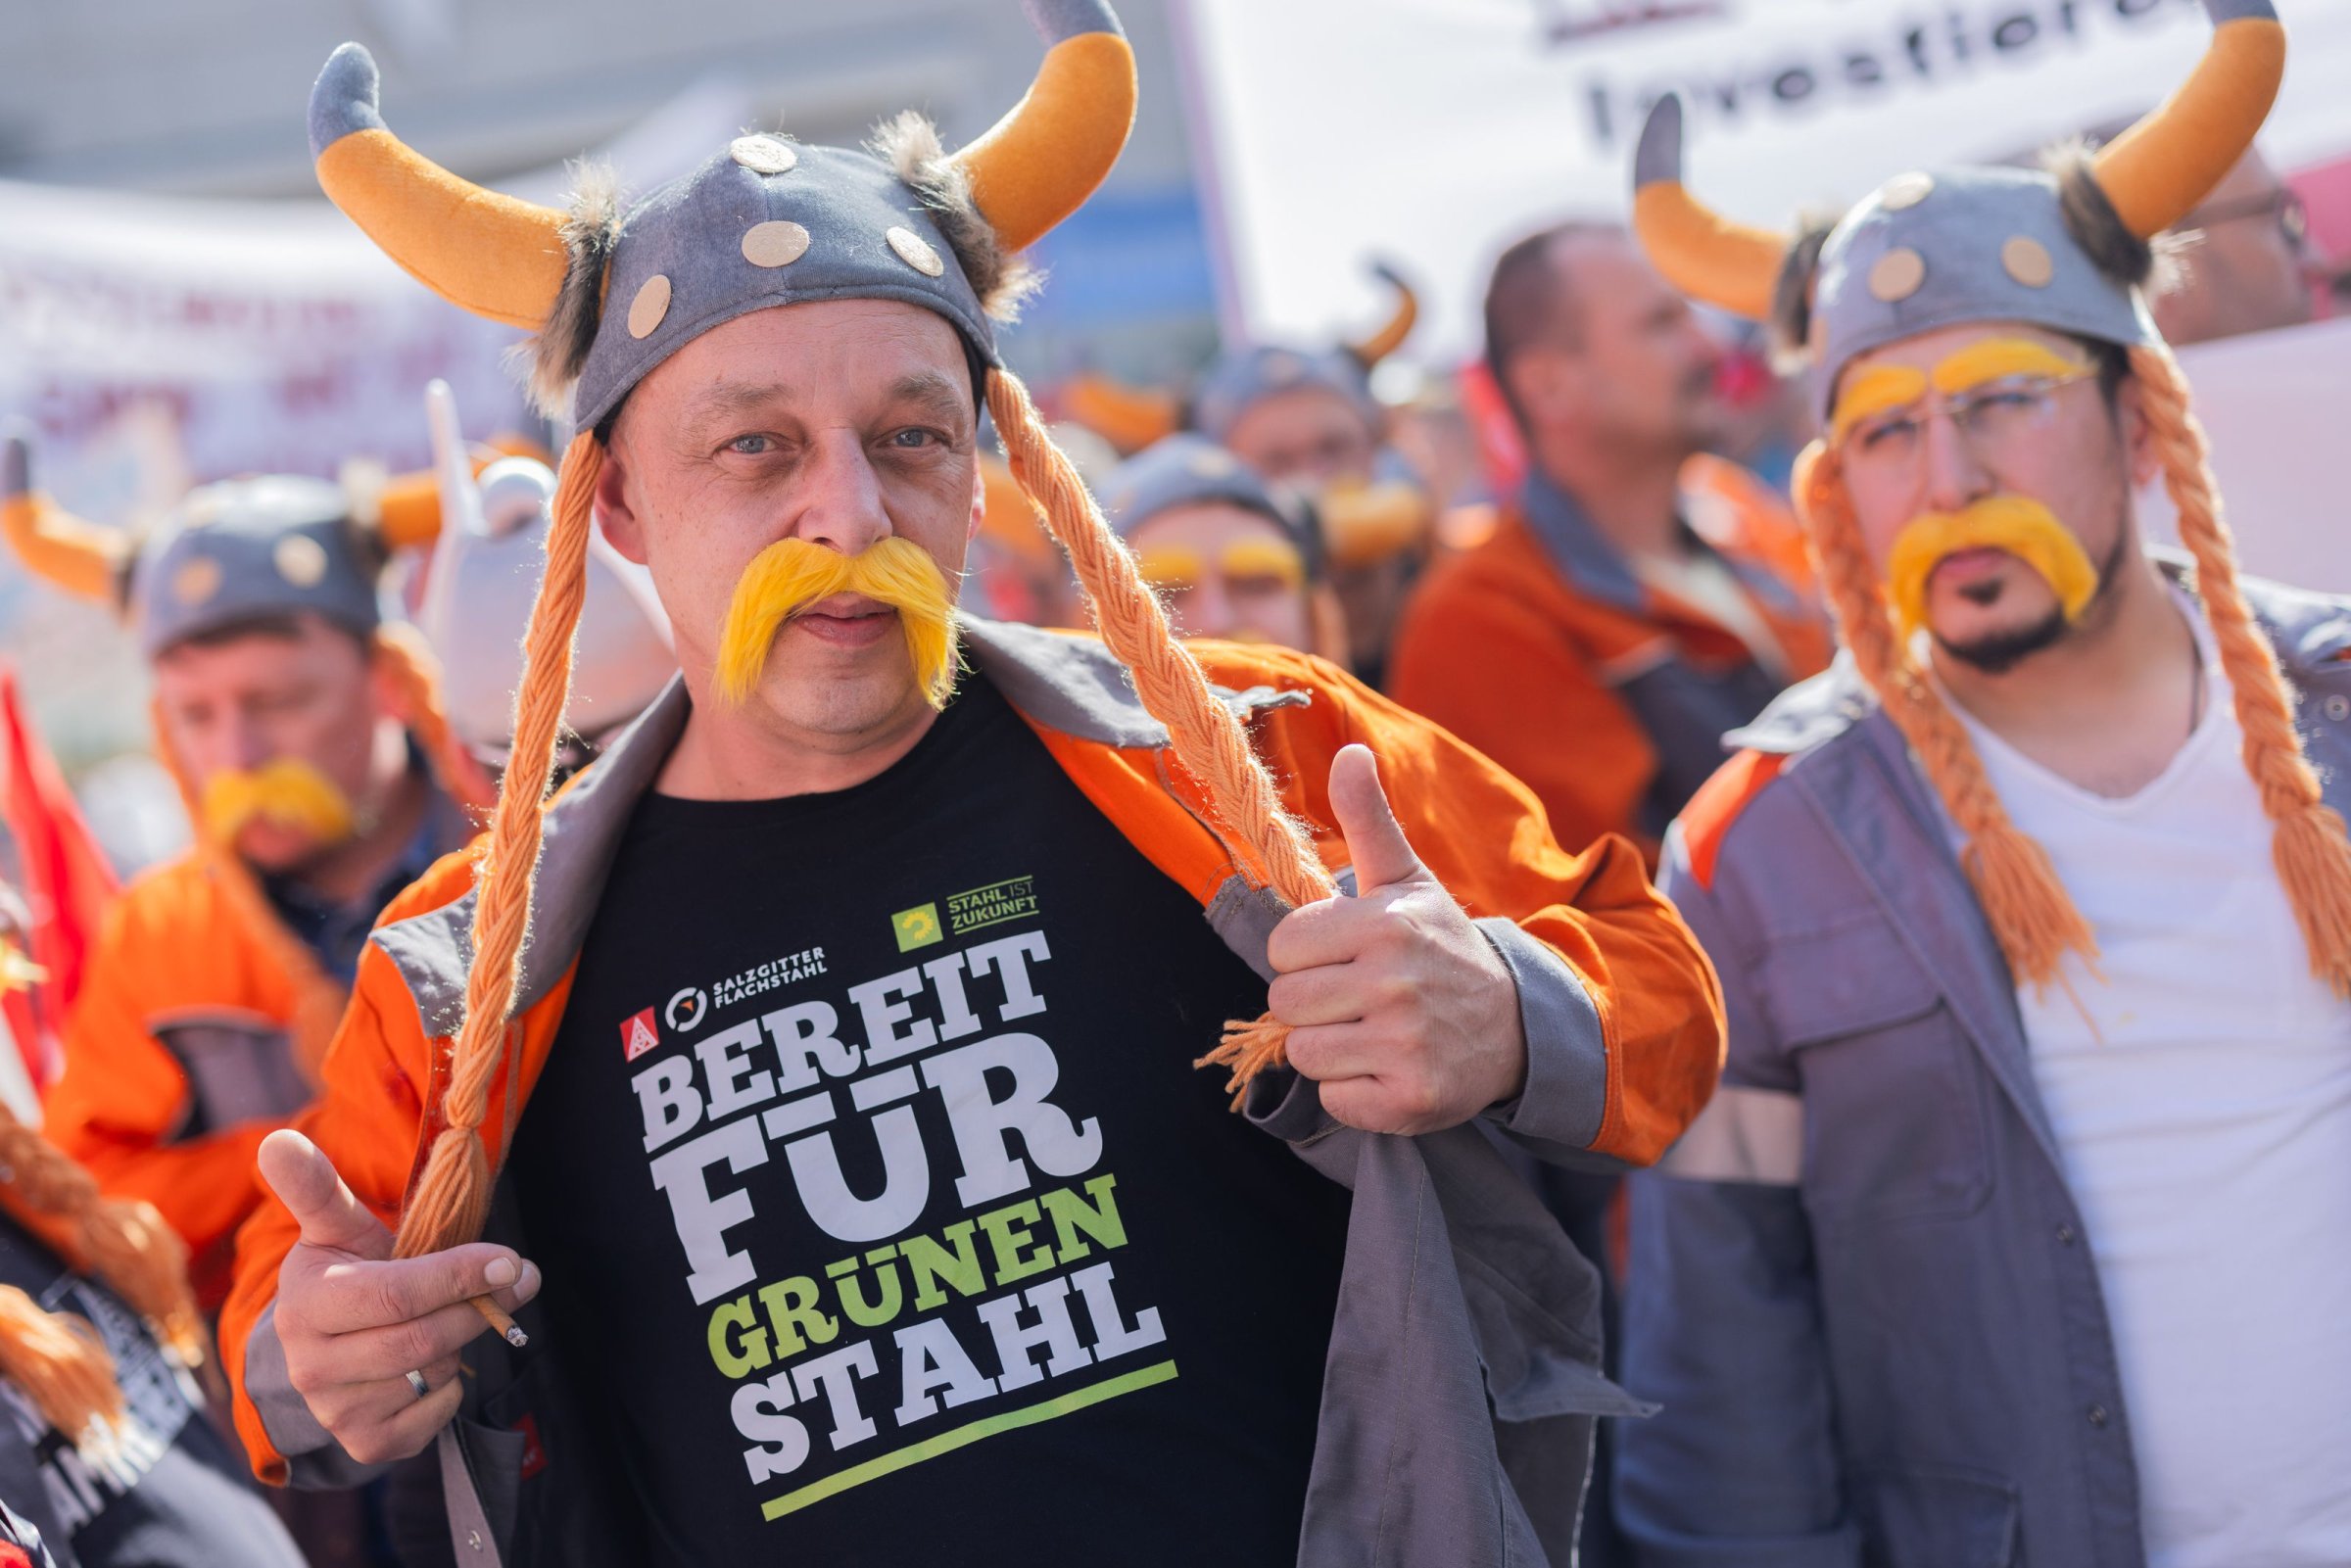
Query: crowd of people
{"type": "Point", "coordinates": [1658, 1018]}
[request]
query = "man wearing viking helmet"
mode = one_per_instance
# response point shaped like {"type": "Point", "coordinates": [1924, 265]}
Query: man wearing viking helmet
{"type": "Point", "coordinates": [1230, 555]}
{"type": "Point", "coordinates": [306, 737]}
{"type": "Point", "coordinates": [834, 1133]}
{"type": "Point", "coordinates": [1306, 418]}
{"type": "Point", "coordinates": [2017, 1230]}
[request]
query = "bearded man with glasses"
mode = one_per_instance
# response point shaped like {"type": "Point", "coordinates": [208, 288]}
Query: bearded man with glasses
{"type": "Point", "coordinates": [2015, 1231]}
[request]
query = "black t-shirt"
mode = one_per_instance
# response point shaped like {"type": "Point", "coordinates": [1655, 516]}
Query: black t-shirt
{"type": "Point", "coordinates": [880, 1202]}
{"type": "Point", "coordinates": [172, 1493]}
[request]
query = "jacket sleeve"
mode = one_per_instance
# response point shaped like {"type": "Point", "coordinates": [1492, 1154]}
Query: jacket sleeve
{"type": "Point", "coordinates": [123, 1092]}
{"type": "Point", "coordinates": [1492, 671]}
{"type": "Point", "coordinates": [1722, 1317]}
{"type": "Point", "coordinates": [1623, 1020]}
{"type": "Point", "coordinates": [369, 1119]}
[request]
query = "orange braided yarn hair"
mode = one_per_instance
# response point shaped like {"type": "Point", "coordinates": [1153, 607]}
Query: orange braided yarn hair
{"type": "Point", "coordinates": [452, 1195]}
{"type": "Point", "coordinates": [1208, 741]}
{"type": "Point", "coordinates": [2313, 855]}
{"type": "Point", "coordinates": [2029, 913]}
{"type": "Point", "coordinates": [59, 1361]}
{"type": "Point", "coordinates": [318, 998]}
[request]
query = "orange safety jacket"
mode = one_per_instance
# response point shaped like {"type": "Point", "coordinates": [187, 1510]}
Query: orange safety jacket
{"type": "Point", "coordinates": [1608, 697]}
{"type": "Point", "coordinates": [178, 1061]}
{"type": "Point", "coordinates": [1621, 1007]}
{"type": "Point", "coordinates": [178, 1056]}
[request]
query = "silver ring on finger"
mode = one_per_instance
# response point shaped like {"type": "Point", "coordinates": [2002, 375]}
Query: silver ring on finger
{"type": "Point", "coordinates": [417, 1384]}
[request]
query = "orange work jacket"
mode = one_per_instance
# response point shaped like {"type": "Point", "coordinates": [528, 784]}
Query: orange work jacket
{"type": "Point", "coordinates": [1608, 697]}
{"type": "Point", "coordinates": [179, 1060]}
{"type": "Point", "coordinates": [1650, 1000]}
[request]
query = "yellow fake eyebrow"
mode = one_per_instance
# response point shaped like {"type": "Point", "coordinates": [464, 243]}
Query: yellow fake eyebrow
{"type": "Point", "coordinates": [1996, 357]}
{"type": "Point", "coordinates": [1170, 565]}
{"type": "Point", "coordinates": [1873, 389]}
{"type": "Point", "coordinates": [1265, 557]}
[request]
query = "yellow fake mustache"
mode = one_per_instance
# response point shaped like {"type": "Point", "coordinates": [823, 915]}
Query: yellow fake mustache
{"type": "Point", "coordinates": [287, 792]}
{"type": "Point", "coordinates": [2017, 524]}
{"type": "Point", "coordinates": [791, 574]}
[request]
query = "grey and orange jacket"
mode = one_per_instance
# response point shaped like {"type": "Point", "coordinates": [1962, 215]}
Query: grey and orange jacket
{"type": "Point", "coordinates": [1861, 1287]}
{"type": "Point", "coordinates": [1464, 1365]}
{"type": "Point", "coordinates": [1541, 648]}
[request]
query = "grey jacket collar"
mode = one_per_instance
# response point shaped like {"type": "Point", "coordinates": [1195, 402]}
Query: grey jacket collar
{"type": "Point", "coordinates": [1068, 684]}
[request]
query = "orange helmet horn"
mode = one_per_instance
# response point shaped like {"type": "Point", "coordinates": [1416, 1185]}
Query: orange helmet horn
{"type": "Point", "coordinates": [2157, 172]}
{"type": "Point", "coordinates": [82, 558]}
{"type": "Point", "coordinates": [1130, 418]}
{"type": "Point", "coordinates": [1703, 254]}
{"type": "Point", "coordinates": [491, 254]}
{"type": "Point", "coordinates": [1389, 337]}
{"type": "Point", "coordinates": [1043, 160]}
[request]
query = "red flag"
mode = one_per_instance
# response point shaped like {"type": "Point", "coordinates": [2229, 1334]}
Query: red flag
{"type": "Point", "coordinates": [67, 880]}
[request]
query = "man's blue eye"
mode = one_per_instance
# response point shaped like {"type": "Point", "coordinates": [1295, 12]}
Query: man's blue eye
{"type": "Point", "coordinates": [750, 446]}
{"type": "Point", "coordinates": [911, 438]}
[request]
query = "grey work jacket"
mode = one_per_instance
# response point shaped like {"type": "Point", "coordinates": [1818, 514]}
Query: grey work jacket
{"type": "Point", "coordinates": [1463, 1379]}
{"type": "Point", "coordinates": [1861, 1290]}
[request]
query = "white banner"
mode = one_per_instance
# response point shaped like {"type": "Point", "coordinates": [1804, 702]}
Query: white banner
{"type": "Point", "coordinates": [1432, 132]}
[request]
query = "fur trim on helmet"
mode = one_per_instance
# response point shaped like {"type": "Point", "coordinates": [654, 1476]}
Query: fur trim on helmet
{"type": "Point", "coordinates": [2091, 219]}
{"type": "Point", "coordinates": [1788, 329]}
{"type": "Point", "coordinates": [591, 229]}
{"type": "Point", "coordinates": [1002, 280]}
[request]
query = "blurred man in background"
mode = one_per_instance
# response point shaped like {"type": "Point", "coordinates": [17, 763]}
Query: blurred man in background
{"type": "Point", "coordinates": [2247, 263]}
{"type": "Point", "coordinates": [310, 743]}
{"type": "Point", "coordinates": [2240, 260]}
{"type": "Point", "coordinates": [1229, 557]}
{"type": "Point", "coordinates": [1596, 645]}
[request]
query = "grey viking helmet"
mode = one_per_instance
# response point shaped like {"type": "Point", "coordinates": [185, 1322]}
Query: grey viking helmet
{"type": "Point", "coordinates": [612, 293]}
{"type": "Point", "coordinates": [1188, 470]}
{"type": "Point", "coordinates": [2066, 249]}
{"type": "Point", "coordinates": [1242, 378]}
{"type": "Point", "coordinates": [229, 555]}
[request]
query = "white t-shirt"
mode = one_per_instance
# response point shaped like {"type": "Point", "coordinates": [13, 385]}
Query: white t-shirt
{"type": "Point", "coordinates": [2201, 1099]}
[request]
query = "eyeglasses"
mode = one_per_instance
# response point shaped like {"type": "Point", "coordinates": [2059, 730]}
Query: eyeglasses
{"type": "Point", "coordinates": [1244, 569]}
{"type": "Point", "coordinates": [1991, 419]}
{"type": "Point", "coordinates": [2282, 205]}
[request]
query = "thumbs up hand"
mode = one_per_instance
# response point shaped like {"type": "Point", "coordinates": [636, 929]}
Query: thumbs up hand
{"type": "Point", "coordinates": [355, 1323]}
{"type": "Point", "coordinates": [1397, 1006]}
